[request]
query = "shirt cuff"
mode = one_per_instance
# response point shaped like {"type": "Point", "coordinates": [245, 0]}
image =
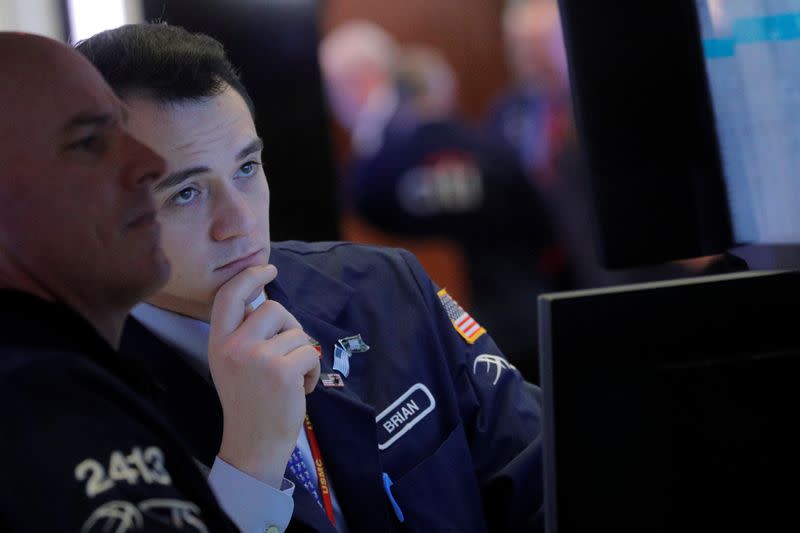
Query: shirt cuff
{"type": "Point", "coordinates": [253, 505]}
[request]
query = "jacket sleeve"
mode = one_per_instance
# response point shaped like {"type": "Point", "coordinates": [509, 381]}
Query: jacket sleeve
{"type": "Point", "coordinates": [83, 453]}
{"type": "Point", "coordinates": [500, 411]}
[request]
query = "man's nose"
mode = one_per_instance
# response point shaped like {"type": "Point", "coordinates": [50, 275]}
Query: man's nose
{"type": "Point", "coordinates": [233, 215]}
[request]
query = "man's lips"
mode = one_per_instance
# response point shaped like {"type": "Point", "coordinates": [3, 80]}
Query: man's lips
{"type": "Point", "coordinates": [242, 262]}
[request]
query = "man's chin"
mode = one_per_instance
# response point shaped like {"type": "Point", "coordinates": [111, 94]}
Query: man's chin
{"type": "Point", "coordinates": [158, 273]}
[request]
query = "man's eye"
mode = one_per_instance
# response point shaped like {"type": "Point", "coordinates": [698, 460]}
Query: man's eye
{"type": "Point", "coordinates": [185, 196]}
{"type": "Point", "coordinates": [248, 169]}
{"type": "Point", "coordinates": [90, 143]}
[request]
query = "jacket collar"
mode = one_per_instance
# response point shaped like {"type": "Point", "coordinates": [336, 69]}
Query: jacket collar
{"type": "Point", "coordinates": [312, 291]}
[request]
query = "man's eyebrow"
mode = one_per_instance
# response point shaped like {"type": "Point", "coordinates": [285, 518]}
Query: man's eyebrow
{"type": "Point", "coordinates": [178, 177]}
{"type": "Point", "coordinates": [88, 119]}
{"type": "Point", "coordinates": [255, 146]}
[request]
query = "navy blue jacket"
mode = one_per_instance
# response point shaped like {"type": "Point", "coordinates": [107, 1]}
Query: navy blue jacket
{"type": "Point", "coordinates": [83, 450]}
{"type": "Point", "coordinates": [456, 429]}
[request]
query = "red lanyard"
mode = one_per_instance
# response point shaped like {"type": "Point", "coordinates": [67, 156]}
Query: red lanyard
{"type": "Point", "coordinates": [323, 479]}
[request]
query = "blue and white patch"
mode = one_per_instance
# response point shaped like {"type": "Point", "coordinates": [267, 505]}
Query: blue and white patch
{"type": "Point", "coordinates": [403, 414]}
{"type": "Point", "coordinates": [341, 360]}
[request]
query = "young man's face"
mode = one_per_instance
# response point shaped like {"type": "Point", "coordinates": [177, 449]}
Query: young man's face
{"type": "Point", "coordinates": [213, 202]}
{"type": "Point", "coordinates": [77, 212]}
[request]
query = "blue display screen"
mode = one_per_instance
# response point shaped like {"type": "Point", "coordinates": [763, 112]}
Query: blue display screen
{"type": "Point", "coordinates": [752, 56]}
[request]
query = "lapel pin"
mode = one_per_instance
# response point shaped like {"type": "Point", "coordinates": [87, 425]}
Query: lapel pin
{"type": "Point", "coordinates": [341, 360]}
{"type": "Point", "coordinates": [354, 344]}
{"type": "Point", "coordinates": [316, 345]}
{"type": "Point", "coordinates": [332, 380]}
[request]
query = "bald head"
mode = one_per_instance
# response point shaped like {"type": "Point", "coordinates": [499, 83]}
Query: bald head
{"type": "Point", "coordinates": [358, 60]}
{"type": "Point", "coordinates": [42, 75]}
{"type": "Point", "coordinates": [532, 32]}
{"type": "Point", "coordinates": [78, 217]}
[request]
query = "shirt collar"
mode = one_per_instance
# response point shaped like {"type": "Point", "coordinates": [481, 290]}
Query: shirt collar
{"type": "Point", "coordinates": [186, 334]}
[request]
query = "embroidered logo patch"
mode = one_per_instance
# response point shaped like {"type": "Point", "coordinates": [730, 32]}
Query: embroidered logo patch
{"type": "Point", "coordinates": [403, 414]}
{"type": "Point", "coordinates": [465, 325]}
{"type": "Point", "coordinates": [492, 361]}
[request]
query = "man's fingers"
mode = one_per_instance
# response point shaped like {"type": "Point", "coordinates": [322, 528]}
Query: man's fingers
{"type": "Point", "coordinates": [306, 363]}
{"type": "Point", "coordinates": [298, 367]}
{"type": "Point", "coordinates": [230, 303]}
{"type": "Point", "coordinates": [267, 321]}
{"type": "Point", "coordinates": [286, 342]}
{"type": "Point", "coordinates": [312, 377]}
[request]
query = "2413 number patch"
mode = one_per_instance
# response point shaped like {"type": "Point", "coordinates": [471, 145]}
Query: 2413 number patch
{"type": "Point", "coordinates": [147, 466]}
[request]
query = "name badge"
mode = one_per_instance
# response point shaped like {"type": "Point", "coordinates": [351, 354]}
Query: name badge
{"type": "Point", "coordinates": [403, 414]}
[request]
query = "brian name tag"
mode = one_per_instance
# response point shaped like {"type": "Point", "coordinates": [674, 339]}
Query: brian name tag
{"type": "Point", "coordinates": [403, 414]}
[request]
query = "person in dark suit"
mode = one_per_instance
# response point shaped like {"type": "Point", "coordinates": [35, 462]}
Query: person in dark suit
{"type": "Point", "coordinates": [418, 422]}
{"type": "Point", "coordinates": [436, 176]}
{"type": "Point", "coordinates": [83, 448]}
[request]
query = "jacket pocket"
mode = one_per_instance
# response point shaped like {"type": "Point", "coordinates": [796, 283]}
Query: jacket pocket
{"type": "Point", "coordinates": [441, 492]}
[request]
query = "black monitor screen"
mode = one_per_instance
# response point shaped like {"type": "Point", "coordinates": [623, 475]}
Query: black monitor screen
{"type": "Point", "coordinates": [646, 126]}
{"type": "Point", "coordinates": [751, 52]}
{"type": "Point", "coordinates": [671, 406]}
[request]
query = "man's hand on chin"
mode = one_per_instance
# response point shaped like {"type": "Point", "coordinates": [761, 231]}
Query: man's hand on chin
{"type": "Point", "coordinates": [263, 366]}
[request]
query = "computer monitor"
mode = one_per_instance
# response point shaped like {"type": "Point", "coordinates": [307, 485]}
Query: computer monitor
{"type": "Point", "coordinates": [751, 50]}
{"type": "Point", "coordinates": [686, 115]}
{"type": "Point", "coordinates": [671, 406]}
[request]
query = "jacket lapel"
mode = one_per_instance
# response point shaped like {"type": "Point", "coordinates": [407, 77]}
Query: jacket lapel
{"type": "Point", "coordinates": [343, 423]}
{"type": "Point", "coordinates": [345, 428]}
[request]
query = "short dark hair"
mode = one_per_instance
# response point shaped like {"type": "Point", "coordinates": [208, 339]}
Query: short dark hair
{"type": "Point", "coordinates": [164, 62]}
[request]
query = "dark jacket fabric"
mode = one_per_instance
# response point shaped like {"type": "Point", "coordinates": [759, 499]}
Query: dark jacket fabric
{"type": "Point", "coordinates": [84, 449]}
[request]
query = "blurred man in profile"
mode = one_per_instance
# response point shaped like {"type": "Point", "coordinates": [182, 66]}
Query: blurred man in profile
{"type": "Point", "coordinates": [358, 61]}
{"type": "Point", "coordinates": [79, 246]}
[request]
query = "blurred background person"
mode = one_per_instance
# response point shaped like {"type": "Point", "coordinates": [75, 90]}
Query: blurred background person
{"type": "Point", "coordinates": [534, 113]}
{"type": "Point", "coordinates": [426, 173]}
{"type": "Point", "coordinates": [358, 63]}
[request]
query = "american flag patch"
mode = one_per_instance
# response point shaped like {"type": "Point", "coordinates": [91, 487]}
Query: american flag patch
{"type": "Point", "coordinates": [465, 325]}
{"type": "Point", "coordinates": [332, 380]}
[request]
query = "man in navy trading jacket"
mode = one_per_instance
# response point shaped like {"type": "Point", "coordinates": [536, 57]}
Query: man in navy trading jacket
{"type": "Point", "coordinates": [417, 422]}
{"type": "Point", "coordinates": [84, 449]}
